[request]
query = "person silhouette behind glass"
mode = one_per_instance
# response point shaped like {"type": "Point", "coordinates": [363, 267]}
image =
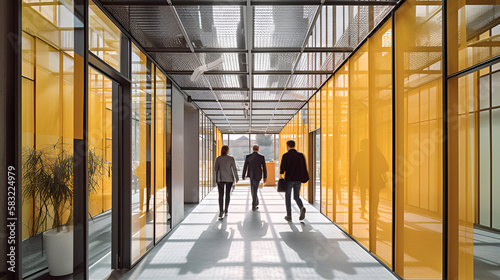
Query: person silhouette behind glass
{"type": "Point", "coordinates": [363, 174]}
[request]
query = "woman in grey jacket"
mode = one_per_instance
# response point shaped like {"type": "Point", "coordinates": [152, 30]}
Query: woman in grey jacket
{"type": "Point", "coordinates": [225, 174]}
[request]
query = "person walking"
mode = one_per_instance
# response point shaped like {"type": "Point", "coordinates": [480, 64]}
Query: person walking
{"type": "Point", "coordinates": [293, 165]}
{"type": "Point", "coordinates": [255, 164]}
{"type": "Point", "coordinates": [225, 175]}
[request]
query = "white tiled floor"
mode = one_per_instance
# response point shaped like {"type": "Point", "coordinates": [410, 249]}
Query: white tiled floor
{"type": "Point", "coordinates": [256, 245]}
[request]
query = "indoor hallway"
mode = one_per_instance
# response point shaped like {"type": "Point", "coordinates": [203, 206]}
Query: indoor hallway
{"type": "Point", "coordinates": [257, 245]}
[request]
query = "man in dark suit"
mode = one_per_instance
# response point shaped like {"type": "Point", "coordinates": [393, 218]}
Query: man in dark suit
{"type": "Point", "coordinates": [293, 164]}
{"type": "Point", "coordinates": [255, 164]}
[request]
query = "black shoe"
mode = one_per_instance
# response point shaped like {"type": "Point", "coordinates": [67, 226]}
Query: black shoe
{"type": "Point", "coordinates": [225, 213]}
{"type": "Point", "coordinates": [288, 218]}
{"type": "Point", "coordinates": [221, 214]}
{"type": "Point", "coordinates": [255, 208]}
{"type": "Point", "coordinates": [302, 213]}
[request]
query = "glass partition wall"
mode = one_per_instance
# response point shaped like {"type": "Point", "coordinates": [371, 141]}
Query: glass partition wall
{"type": "Point", "coordinates": [51, 107]}
{"type": "Point", "coordinates": [151, 154]}
{"type": "Point", "coordinates": [53, 126]}
{"type": "Point", "coordinates": [207, 149]}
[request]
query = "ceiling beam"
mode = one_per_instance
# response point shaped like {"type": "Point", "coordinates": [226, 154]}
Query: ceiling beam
{"type": "Point", "coordinates": [252, 3]}
{"type": "Point", "coordinates": [254, 50]}
{"type": "Point", "coordinates": [254, 109]}
{"type": "Point", "coordinates": [242, 101]}
{"type": "Point", "coordinates": [297, 50]}
{"type": "Point", "coordinates": [271, 72]}
{"type": "Point", "coordinates": [249, 40]}
{"type": "Point", "coordinates": [241, 115]}
{"type": "Point", "coordinates": [246, 89]}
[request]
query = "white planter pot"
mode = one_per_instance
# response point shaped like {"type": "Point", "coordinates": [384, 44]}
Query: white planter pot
{"type": "Point", "coordinates": [59, 250]}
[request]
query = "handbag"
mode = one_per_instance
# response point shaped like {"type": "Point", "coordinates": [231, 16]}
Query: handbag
{"type": "Point", "coordinates": [281, 183]}
{"type": "Point", "coordinates": [304, 175]}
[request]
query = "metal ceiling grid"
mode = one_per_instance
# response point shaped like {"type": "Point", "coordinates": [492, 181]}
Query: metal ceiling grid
{"type": "Point", "coordinates": [232, 117]}
{"type": "Point", "coordinates": [307, 81]}
{"type": "Point", "coordinates": [277, 117]}
{"type": "Point", "coordinates": [172, 62]}
{"type": "Point", "coordinates": [302, 95]}
{"type": "Point", "coordinates": [275, 53]}
{"type": "Point", "coordinates": [266, 95]}
{"type": "Point", "coordinates": [228, 81]}
{"type": "Point", "coordinates": [270, 81]}
{"type": "Point", "coordinates": [233, 105]}
{"type": "Point", "coordinates": [275, 112]}
{"type": "Point", "coordinates": [200, 94]}
{"type": "Point", "coordinates": [230, 61]}
{"type": "Point", "coordinates": [207, 105]}
{"type": "Point", "coordinates": [264, 105]}
{"type": "Point", "coordinates": [316, 62]}
{"type": "Point", "coordinates": [155, 27]}
{"type": "Point", "coordinates": [232, 95]}
{"type": "Point", "coordinates": [290, 105]}
{"type": "Point", "coordinates": [185, 81]}
{"type": "Point", "coordinates": [274, 61]}
{"type": "Point", "coordinates": [281, 26]}
{"type": "Point", "coordinates": [227, 112]}
{"type": "Point", "coordinates": [213, 26]}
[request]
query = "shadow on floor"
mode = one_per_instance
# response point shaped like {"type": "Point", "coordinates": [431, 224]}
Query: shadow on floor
{"type": "Point", "coordinates": [320, 253]}
{"type": "Point", "coordinates": [212, 246]}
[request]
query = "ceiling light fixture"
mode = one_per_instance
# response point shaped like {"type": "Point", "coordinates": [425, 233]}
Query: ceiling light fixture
{"type": "Point", "coordinates": [206, 67]}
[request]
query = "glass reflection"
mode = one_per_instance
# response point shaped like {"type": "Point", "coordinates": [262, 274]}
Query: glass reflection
{"type": "Point", "coordinates": [142, 198]}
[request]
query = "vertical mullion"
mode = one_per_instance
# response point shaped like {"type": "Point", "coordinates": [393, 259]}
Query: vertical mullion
{"type": "Point", "coordinates": [445, 138]}
{"type": "Point", "coordinates": [490, 111]}
{"type": "Point", "coordinates": [153, 168]}
{"type": "Point", "coordinates": [11, 130]}
{"type": "Point", "coordinates": [80, 190]}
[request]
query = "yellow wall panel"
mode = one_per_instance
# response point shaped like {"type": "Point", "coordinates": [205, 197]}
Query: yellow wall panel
{"type": "Point", "coordinates": [380, 131]}
{"type": "Point", "coordinates": [341, 143]}
{"type": "Point", "coordinates": [330, 197]}
{"type": "Point", "coordinates": [473, 33]}
{"type": "Point", "coordinates": [359, 142]}
{"type": "Point", "coordinates": [419, 138]}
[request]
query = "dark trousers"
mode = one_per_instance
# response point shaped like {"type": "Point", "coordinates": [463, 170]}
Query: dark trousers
{"type": "Point", "coordinates": [254, 187]}
{"type": "Point", "coordinates": [220, 187]}
{"type": "Point", "coordinates": [295, 185]}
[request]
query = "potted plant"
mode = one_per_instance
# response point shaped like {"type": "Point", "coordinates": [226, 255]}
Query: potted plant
{"type": "Point", "coordinates": [48, 176]}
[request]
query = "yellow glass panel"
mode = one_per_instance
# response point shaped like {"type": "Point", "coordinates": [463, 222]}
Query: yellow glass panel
{"type": "Point", "coordinates": [418, 140]}
{"type": "Point", "coordinates": [341, 145]}
{"type": "Point", "coordinates": [28, 65]}
{"type": "Point", "coordinates": [330, 196]}
{"type": "Point", "coordinates": [327, 206]}
{"type": "Point", "coordinates": [48, 95]}
{"type": "Point", "coordinates": [100, 138]}
{"type": "Point", "coordinates": [359, 106]}
{"type": "Point", "coordinates": [104, 37]}
{"type": "Point", "coordinates": [312, 113]}
{"type": "Point", "coordinates": [473, 33]}
{"type": "Point", "coordinates": [381, 143]}
{"type": "Point", "coordinates": [48, 116]}
{"type": "Point", "coordinates": [28, 141]}
{"type": "Point", "coordinates": [318, 111]}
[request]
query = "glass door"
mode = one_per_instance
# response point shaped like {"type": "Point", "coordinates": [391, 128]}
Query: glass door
{"type": "Point", "coordinates": [100, 143]}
